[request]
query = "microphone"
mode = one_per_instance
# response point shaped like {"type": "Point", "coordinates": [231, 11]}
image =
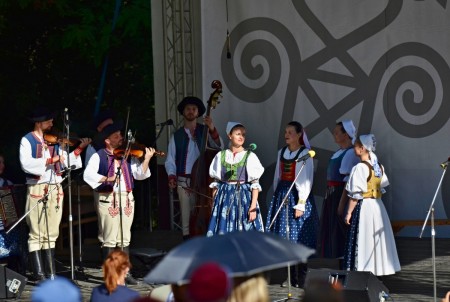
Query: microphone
{"type": "Point", "coordinates": [66, 114]}
{"type": "Point", "coordinates": [311, 153]}
{"type": "Point", "coordinates": [251, 147]}
{"type": "Point", "coordinates": [166, 123]}
{"type": "Point", "coordinates": [130, 136]}
{"type": "Point", "coordinates": [445, 163]}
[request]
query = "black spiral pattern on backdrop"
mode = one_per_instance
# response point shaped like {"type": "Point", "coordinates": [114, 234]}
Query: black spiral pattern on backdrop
{"type": "Point", "coordinates": [416, 106]}
{"type": "Point", "coordinates": [255, 48]}
{"type": "Point", "coordinates": [367, 87]}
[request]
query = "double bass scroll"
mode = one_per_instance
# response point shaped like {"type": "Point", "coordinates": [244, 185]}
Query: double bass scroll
{"type": "Point", "coordinates": [201, 213]}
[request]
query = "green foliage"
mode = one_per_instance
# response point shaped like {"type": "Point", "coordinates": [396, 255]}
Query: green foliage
{"type": "Point", "coordinates": [54, 55]}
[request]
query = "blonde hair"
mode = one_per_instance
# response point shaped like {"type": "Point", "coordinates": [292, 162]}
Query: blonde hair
{"type": "Point", "coordinates": [114, 265]}
{"type": "Point", "coordinates": [249, 289]}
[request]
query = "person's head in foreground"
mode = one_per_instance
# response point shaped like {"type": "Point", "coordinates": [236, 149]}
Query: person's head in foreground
{"type": "Point", "coordinates": [115, 269]}
{"type": "Point", "coordinates": [57, 290]}
{"type": "Point", "coordinates": [212, 282]}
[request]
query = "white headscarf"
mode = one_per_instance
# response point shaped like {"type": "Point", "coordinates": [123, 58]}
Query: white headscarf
{"type": "Point", "coordinates": [349, 128]}
{"type": "Point", "coordinates": [369, 142]}
{"type": "Point", "coordinates": [305, 139]}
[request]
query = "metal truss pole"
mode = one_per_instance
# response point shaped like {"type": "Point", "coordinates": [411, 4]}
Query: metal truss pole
{"type": "Point", "coordinates": [179, 65]}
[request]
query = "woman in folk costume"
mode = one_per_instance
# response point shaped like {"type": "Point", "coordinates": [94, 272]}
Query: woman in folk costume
{"type": "Point", "coordinates": [333, 230]}
{"type": "Point", "coordinates": [236, 172]}
{"type": "Point", "coordinates": [370, 243]}
{"type": "Point", "coordinates": [302, 217]}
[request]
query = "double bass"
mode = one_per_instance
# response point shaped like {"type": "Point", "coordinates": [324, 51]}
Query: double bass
{"type": "Point", "coordinates": [200, 180]}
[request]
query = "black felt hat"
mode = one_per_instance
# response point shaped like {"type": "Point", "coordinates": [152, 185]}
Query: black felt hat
{"type": "Point", "coordinates": [42, 114]}
{"type": "Point", "coordinates": [103, 116]}
{"type": "Point", "coordinates": [192, 100]}
{"type": "Point", "coordinates": [111, 128]}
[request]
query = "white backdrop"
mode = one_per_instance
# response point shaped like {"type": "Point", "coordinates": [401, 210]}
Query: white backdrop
{"type": "Point", "coordinates": [384, 64]}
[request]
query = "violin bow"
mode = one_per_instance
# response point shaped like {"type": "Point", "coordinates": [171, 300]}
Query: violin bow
{"type": "Point", "coordinates": [128, 148]}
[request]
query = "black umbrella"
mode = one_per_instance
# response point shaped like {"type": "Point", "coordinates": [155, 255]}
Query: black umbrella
{"type": "Point", "coordinates": [243, 253]}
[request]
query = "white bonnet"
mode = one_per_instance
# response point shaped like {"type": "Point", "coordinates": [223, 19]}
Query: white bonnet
{"type": "Point", "coordinates": [349, 128]}
{"type": "Point", "coordinates": [231, 125]}
{"type": "Point", "coordinates": [369, 142]}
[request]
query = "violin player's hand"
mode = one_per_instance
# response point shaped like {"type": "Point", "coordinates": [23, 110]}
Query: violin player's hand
{"type": "Point", "coordinates": [84, 142]}
{"type": "Point", "coordinates": [149, 152]}
{"type": "Point", "coordinates": [55, 159]}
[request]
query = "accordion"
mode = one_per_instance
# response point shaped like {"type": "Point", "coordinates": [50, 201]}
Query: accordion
{"type": "Point", "coordinates": [8, 211]}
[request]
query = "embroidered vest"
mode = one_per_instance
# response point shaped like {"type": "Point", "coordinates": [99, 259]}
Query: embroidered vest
{"type": "Point", "coordinates": [333, 167]}
{"type": "Point", "coordinates": [181, 146]}
{"type": "Point", "coordinates": [36, 152]}
{"type": "Point", "coordinates": [106, 168]}
{"type": "Point", "coordinates": [287, 166]}
{"type": "Point", "coordinates": [373, 184]}
{"type": "Point", "coordinates": [234, 172]}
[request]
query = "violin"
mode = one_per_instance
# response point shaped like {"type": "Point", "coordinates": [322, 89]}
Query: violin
{"type": "Point", "coordinates": [54, 139]}
{"type": "Point", "coordinates": [136, 150]}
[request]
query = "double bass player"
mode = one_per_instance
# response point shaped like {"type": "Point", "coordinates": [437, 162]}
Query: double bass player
{"type": "Point", "coordinates": [184, 149]}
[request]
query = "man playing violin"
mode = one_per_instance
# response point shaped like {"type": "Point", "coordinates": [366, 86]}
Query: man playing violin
{"type": "Point", "coordinates": [43, 165]}
{"type": "Point", "coordinates": [112, 179]}
{"type": "Point", "coordinates": [184, 150]}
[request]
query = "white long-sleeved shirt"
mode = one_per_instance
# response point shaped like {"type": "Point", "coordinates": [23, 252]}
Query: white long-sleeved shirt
{"type": "Point", "coordinates": [304, 181]}
{"type": "Point", "coordinates": [92, 177]}
{"type": "Point", "coordinates": [192, 153]}
{"type": "Point", "coordinates": [37, 166]}
{"type": "Point", "coordinates": [357, 184]}
{"type": "Point", "coordinates": [253, 167]}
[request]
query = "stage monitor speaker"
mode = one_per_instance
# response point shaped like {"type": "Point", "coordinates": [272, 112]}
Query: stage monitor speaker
{"type": "Point", "coordinates": [357, 286]}
{"type": "Point", "coordinates": [11, 283]}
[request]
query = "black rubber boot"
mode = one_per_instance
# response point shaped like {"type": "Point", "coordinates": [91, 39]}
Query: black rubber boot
{"type": "Point", "coordinates": [294, 276]}
{"type": "Point", "coordinates": [129, 280]}
{"type": "Point", "coordinates": [36, 264]}
{"type": "Point", "coordinates": [302, 271]}
{"type": "Point", "coordinates": [49, 263]}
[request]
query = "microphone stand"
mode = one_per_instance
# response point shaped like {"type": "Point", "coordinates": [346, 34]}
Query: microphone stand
{"type": "Point", "coordinates": [285, 203]}
{"type": "Point", "coordinates": [118, 180]}
{"type": "Point", "coordinates": [43, 199]}
{"type": "Point", "coordinates": [69, 190]}
{"type": "Point", "coordinates": [80, 268]}
{"type": "Point", "coordinates": [433, 232]}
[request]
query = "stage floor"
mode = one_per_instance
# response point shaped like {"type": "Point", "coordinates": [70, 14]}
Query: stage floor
{"type": "Point", "coordinates": [413, 283]}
